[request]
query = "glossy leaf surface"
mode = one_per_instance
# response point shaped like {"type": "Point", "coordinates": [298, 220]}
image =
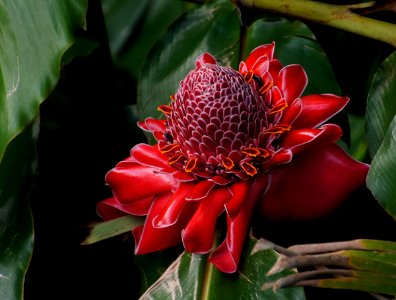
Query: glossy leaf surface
{"type": "Point", "coordinates": [192, 277]}
{"type": "Point", "coordinates": [381, 104]}
{"type": "Point", "coordinates": [381, 179]}
{"type": "Point", "coordinates": [134, 26]}
{"type": "Point", "coordinates": [381, 134]}
{"type": "Point", "coordinates": [34, 36]}
{"type": "Point", "coordinates": [16, 225]}
{"type": "Point", "coordinates": [112, 228]}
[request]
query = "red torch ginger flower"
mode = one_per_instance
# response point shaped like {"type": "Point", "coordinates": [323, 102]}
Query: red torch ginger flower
{"type": "Point", "coordinates": [232, 141]}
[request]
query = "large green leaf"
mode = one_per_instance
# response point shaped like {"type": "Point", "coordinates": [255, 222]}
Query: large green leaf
{"type": "Point", "coordinates": [121, 17]}
{"type": "Point", "coordinates": [381, 104]}
{"type": "Point", "coordinates": [381, 135]}
{"type": "Point", "coordinates": [33, 37]}
{"type": "Point", "coordinates": [16, 227]}
{"type": "Point", "coordinates": [381, 179]}
{"type": "Point", "coordinates": [213, 28]}
{"type": "Point", "coordinates": [134, 26]}
{"type": "Point", "coordinates": [294, 44]}
{"type": "Point", "coordinates": [192, 277]}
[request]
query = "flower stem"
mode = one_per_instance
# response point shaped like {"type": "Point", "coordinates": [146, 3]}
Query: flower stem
{"type": "Point", "coordinates": [338, 16]}
{"type": "Point", "coordinates": [208, 273]}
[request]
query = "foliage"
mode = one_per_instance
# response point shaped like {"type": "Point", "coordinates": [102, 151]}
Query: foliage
{"type": "Point", "coordinates": [127, 58]}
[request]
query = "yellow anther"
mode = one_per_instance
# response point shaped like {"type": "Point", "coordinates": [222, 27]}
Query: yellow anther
{"type": "Point", "coordinates": [278, 129]}
{"type": "Point", "coordinates": [170, 148]}
{"type": "Point", "coordinates": [249, 76]}
{"type": "Point", "coordinates": [249, 169]}
{"type": "Point", "coordinates": [266, 86]}
{"type": "Point", "coordinates": [191, 164]}
{"type": "Point", "coordinates": [263, 152]}
{"type": "Point", "coordinates": [175, 158]}
{"type": "Point", "coordinates": [251, 151]}
{"type": "Point", "coordinates": [227, 163]}
{"type": "Point", "coordinates": [166, 109]}
{"type": "Point", "coordinates": [279, 107]}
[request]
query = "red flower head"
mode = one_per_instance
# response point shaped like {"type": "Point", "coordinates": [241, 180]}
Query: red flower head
{"type": "Point", "coordinates": [232, 141]}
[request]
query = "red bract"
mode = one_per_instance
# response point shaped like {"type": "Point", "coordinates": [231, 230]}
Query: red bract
{"type": "Point", "coordinates": [232, 141]}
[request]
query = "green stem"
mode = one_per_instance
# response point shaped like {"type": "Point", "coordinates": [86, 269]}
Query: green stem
{"type": "Point", "coordinates": [338, 16]}
{"type": "Point", "coordinates": [208, 273]}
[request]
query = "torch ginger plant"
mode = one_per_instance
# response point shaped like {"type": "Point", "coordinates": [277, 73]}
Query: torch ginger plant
{"type": "Point", "coordinates": [233, 142]}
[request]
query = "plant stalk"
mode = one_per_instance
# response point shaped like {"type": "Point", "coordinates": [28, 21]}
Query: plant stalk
{"type": "Point", "coordinates": [338, 16]}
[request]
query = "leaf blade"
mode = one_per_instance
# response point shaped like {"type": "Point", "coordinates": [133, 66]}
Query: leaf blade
{"type": "Point", "coordinates": [17, 171]}
{"type": "Point", "coordinates": [381, 107]}
{"type": "Point", "coordinates": [108, 229]}
{"type": "Point", "coordinates": [381, 178]}
{"type": "Point", "coordinates": [29, 68]}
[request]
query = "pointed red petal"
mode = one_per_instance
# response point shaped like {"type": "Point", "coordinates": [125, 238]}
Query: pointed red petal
{"type": "Point", "coordinates": [260, 66]}
{"type": "Point", "coordinates": [203, 59]}
{"type": "Point", "coordinates": [172, 209]}
{"type": "Point", "coordinates": [292, 82]}
{"type": "Point", "coordinates": [282, 156]}
{"type": "Point", "coordinates": [151, 124]}
{"type": "Point", "coordinates": [111, 209]}
{"type": "Point", "coordinates": [183, 176]}
{"type": "Point", "coordinates": [200, 190]}
{"type": "Point", "coordinates": [105, 209]}
{"type": "Point", "coordinates": [300, 139]}
{"type": "Point", "coordinates": [239, 192]}
{"type": "Point", "coordinates": [274, 68]}
{"type": "Point", "coordinates": [313, 185]}
{"type": "Point", "coordinates": [291, 113]}
{"type": "Point", "coordinates": [151, 156]}
{"type": "Point", "coordinates": [226, 256]}
{"type": "Point", "coordinates": [243, 68]}
{"type": "Point", "coordinates": [317, 109]}
{"type": "Point", "coordinates": [198, 235]}
{"type": "Point", "coordinates": [149, 238]}
{"type": "Point", "coordinates": [263, 50]}
{"type": "Point", "coordinates": [131, 182]}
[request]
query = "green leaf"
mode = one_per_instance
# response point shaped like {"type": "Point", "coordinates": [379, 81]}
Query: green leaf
{"type": "Point", "coordinates": [374, 261]}
{"type": "Point", "coordinates": [381, 104]}
{"type": "Point", "coordinates": [153, 265]}
{"type": "Point", "coordinates": [378, 245]}
{"type": "Point", "coordinates": [182, 280]}
{"type": "Point", "coordinates": [120, 17]}
{"type": "Point", "coordinates": [294, 44]}
{"type": "Point", "coordinates": [373, 271]}
{"type": "Point", "coordinates": [359, 145]}
{"type": "Point", "coordinates": [191, 276]}
{"type": "Point", "coordinates": [16, 225]}
{"type": "Point", "coordinates": [33, 37]}
{"type": "Point", "coordinates": [108, 229]}
{"type": "Point", "coordinates": [213, 28]}
{"type": "Point", "coordinates": [251, 277]}
{"type": "Point", "coordinates": [381, 179]}
{"type": "Point", "coordinates": [373, 284]}
{"type": "Point", "coordinates": [134, 26]}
